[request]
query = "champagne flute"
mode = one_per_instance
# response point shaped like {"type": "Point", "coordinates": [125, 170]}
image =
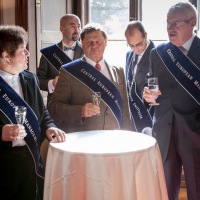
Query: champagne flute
{"type": "Point", "coordinates": [20, 115]}
{"type": "Point", "coordinates": [153, 86]}
{"type": "Point", "coordinates": [96, 98]}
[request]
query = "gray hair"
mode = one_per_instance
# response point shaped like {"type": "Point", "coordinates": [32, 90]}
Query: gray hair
{"type": "Point", "coordinates": [187, 10]}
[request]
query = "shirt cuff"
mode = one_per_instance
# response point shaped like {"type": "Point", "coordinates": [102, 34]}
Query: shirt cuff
{"type": "Point", "coordinates": [50, 86]}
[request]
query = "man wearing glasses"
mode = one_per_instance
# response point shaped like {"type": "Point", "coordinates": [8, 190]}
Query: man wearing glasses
{"type": "Point", "coordinates": [176, 126]}
{"type": "Point", "coordinates": [137, 67]}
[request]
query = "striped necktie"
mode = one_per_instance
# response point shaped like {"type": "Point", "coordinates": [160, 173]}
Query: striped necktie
{"type": "Point", "coordinates": [183, 49]}
{"type": "Point", "coordinates": [98, 66]}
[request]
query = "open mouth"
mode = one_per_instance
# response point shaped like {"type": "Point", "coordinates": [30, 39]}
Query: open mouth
{"type": "Point", "coordinates": [172, 35]}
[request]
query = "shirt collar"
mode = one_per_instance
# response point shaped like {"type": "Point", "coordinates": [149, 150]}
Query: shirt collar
{"type": "Point", "coordinates": [7, 75]}
{"type": "Point", "coordinates": [188, 44]}
{"type": "Point", "coordinates": [91, 62]}
{"type": "Point", "coordinates": [73, 45]}
{"type": "Point", "coordinates": [148, 42]}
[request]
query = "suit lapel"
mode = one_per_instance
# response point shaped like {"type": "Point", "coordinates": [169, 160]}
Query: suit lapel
{"type": "Point", "coordinates": [112, 72]}
{"type": "Point", "coordinates": [145, 58]}
{"type": "Point", "coordinates": [26, 87]}
{"type": "Point", "coordinates": [78, 51]}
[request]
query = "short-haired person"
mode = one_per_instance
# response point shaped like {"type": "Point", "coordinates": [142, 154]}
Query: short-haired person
{"type": "Point", "coordinates": [176, 126]}
{"type": "Point", "coordinates": [70, 27]}
{"type": "Point", "coordinates": [21, 169]}
{"type": "Point", "coordinates": [71, 104]}
{"type": "Point", "coordinates": [137, 67]}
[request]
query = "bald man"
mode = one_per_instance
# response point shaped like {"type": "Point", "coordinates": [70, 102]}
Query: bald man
{"type": "Point", "coordinates": [70, 27]}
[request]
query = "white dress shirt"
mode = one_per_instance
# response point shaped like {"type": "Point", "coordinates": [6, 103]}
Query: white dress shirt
{"type": "Point", "coordinates": [104, 69]}
{"type": "Point", "coordinates": [70, 54]}
{"type": "Point", "coordinates": [14, 82]}
{"type": "Point", "coordinates": [140, 57]}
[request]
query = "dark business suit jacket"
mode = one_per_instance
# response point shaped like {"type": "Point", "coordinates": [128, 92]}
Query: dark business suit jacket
{"type": "Point", "coordinates": [46, 71]}
{"type": "Point", "coordinates": [70, 95]}
{"type": "Point", "coordinates": [142, 68]}
{"type": "Point", "coordinates": [32, 95]}
{"type": "Point", "coordinates": [175, 103]}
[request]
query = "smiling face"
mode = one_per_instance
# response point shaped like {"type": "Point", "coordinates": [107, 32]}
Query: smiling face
{"type": "Point", "coordinates": [179, 28]}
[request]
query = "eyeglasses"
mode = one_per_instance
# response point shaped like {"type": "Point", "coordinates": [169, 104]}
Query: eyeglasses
{"type": "Point", "coordinates": [177, 24]}
{"type": "Point", "coordinates": [137, 45]}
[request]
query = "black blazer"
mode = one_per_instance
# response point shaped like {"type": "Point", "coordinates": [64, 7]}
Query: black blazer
{"type": "Point", "coordinates": [32, 95]}
{"type": "Point", "coordinates": [46, 71]}
{"type": "Point", "coordinates": [175, 103]}
{"type": "Point", "coordinates": [142, 68]}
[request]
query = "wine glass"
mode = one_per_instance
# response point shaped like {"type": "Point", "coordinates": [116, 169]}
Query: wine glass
{"type": "Point", "coordinates": [96, 98]}
{"type": "Point", "coordinates": [154, 88]}
{"type": "Point", "coordinates": [20, 114]}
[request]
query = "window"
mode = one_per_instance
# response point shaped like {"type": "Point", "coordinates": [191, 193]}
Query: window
{"type": "Point", "coordinates": [114, 16]}
{"type": "Point", "coordinates": [154, 15]}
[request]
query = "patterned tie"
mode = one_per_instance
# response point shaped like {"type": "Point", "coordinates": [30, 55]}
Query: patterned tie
{"type": "Point", "coordinates": [68, 48]}
{"type": "Point", "coordinates": [98, 66]}
{"type": "Point", "coordinates": [131, 70]}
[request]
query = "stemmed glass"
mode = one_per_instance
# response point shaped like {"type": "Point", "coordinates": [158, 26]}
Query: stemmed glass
{"type": "Point", "coordinates": [20, 115]}
{"type": "Point", "coordinates": [96, 98]}
{"type": "Point", "coordinates": [154, 88]}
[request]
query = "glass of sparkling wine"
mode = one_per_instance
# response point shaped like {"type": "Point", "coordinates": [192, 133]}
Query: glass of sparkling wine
{"type": "Point", "coordinates": [20, 114]}
{"type": "Point", "coordinates": [153, 86]}
{"type": "Point", "coordinates": [96, 98]}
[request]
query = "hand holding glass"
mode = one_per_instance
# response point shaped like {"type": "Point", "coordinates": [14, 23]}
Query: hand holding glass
{"type": "Point", "coordinates": [20, 115]}
{"type": "Point", "coordinates": [96, 98]}
{"type": "Point", "coordinates": [154, 88]}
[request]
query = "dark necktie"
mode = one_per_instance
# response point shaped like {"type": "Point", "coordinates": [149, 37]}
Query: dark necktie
{"type": "Point", "coordinates": [98, 66]}
{"type": "Point", "coordinates": [68, 48]}
{"type": "Point", "coordinates": [131, 70]}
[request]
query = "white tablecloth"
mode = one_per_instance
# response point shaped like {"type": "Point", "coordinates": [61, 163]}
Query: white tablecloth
{"type": "Point", "coordinates": [105, 165]}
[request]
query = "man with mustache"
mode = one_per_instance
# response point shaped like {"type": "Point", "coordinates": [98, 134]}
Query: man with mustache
{"type": "Point", "coordinates": [70, 27]}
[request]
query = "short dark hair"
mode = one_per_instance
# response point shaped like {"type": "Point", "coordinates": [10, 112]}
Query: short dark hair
{"type": "Point", "coordinates": [89, 28]}
{"type": "Point", "coordinates": [11, 36]}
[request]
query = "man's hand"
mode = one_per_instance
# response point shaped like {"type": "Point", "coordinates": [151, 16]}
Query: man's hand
{"type": "Point", "coordinates": [56, 134]}
{"type": "Point", "coordinates": [89, 110]}
{"type": "Point", "coordinates": [12, 132]}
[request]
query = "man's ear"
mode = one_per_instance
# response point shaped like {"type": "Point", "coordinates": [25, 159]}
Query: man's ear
{"type": "Point", "coordinates": [6, 57]}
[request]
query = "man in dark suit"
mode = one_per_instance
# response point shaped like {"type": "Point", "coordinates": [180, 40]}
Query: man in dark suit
{"type": "Point", "coordinates": [137, 40]}
{"type": "Point", "coordinates": [70, 27]}
{"type": "Point", "coordinates": [21, 169]}
{"type": "Point", "coordinates": [71, 105]}
{"type": "Point", "coordinates": [137, 67]}
{"type": "Point", "coordinates": [177, 118]}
